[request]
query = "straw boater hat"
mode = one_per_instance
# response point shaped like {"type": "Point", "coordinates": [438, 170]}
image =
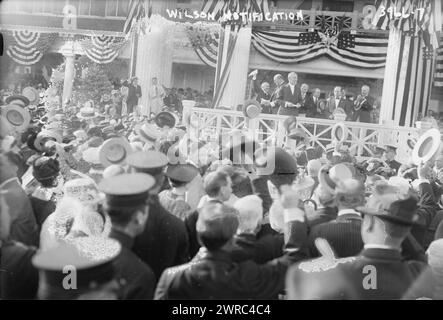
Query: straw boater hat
{"type": "Point", "coordinates": [114, 151]}
{"type": "Point", "coordinates": [427, 146]}
{"type": "Point", "coordinates": [87, 113]}
{"type": "Point", "coordinates": [18, 100]}
{"type": "Point", "coordinates": [328, 177]}
{"type": "Point", "coordinates": [148, 132]}
{"type": "Point", "coordinates": [339, 132]}
{"type": "Point", "coordinates": [83, 189]}
{"type": "Point", "coordinates": [251, 108]}
{"type": "Point", "coordinates": [16, 116]}
{"type": "Point", "coordinates": [55, 134]}
{"type": "Point", "coordinates": [32, 94]}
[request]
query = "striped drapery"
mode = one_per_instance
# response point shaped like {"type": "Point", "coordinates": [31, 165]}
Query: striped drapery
{"type": "Point", "coordinates": [102, 49]}
{"type": "Point", "coordinates": [27, 47]}
{"type": "Point", "coordinates": [137, 9]}
{"type": "Point", "coordinates": [438, 77]}
{"type": "Point", "coordinates": [408, 80]}
{"type": "Point", "coordinates": [228, 41]}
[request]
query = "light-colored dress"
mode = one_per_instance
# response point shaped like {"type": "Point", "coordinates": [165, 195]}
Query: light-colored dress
{"type": "Point", "coordinates": [156, 94]}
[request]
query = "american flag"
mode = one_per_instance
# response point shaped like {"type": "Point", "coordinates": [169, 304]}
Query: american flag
{"type": "Point", "coordinates": [137, 9]}
{"type": "Point", "coordinates": [438, 76]}
{"type": "Point", "coordinates": [220, 7]}
{"type": "Point", "coordinates": [360, 50]}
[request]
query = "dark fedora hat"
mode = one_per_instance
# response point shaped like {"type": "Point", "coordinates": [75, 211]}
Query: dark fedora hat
{"type": "Point", "coordinates": [165, 119]}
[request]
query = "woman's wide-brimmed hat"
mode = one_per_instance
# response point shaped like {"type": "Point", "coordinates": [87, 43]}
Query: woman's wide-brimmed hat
{"type": "Point", "coordinates": [16, 116]}
{"type": "Point", "coordinates": [114, 151]}
{"type": "Point", "coordinates": [55, 134]}
{"type": "Point", "coordinates": [328, 177]}
{"type": "Point", "coordinates": [166, 118]}
{"type": "Point", "coordinates": [17, 99]}
{"type": "Point", "coordinates": [32, 94]}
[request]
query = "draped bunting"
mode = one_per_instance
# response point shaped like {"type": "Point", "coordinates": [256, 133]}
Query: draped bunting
{"type": "Point", "coordinates": [102, 49]}
{"type": "Point", "coordinates": [363, 51]}
{"type": "Point", "coordinates": [438, 80]}
{"type": "Point", "coordinates": [27, 47]}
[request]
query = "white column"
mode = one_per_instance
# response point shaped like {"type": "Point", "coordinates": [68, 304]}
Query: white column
{"type": "Point", "coordinates": [68, 52]}
{"type": "Point", "coordinates": [390, 78]}
{"type": "Point", "coordinates": [235, 90]}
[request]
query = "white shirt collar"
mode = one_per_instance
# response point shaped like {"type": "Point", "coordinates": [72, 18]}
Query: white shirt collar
{"type": "Point", "coordinates": [348, 211]}
{"type": "Point", "coordinates": [379, 246]}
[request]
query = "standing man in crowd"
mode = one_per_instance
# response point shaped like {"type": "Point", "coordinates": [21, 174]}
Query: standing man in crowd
{"type": "Point", "coordinates": [363, 106]}
{"type": "Point", "coordinates": [134, 93]}
{"type": "Point", "coordinates": [156, 95]}
{"type": "Point", "coordinates": [337, 101]}
{"type": "Point", "coordinates": [264, 95]}
{"type": "Point", "coordinates": [279, 83]}
{"type": "Point", "coordinates": [290, 97]}
{"type": "Point", "coordinates": [307, 101]}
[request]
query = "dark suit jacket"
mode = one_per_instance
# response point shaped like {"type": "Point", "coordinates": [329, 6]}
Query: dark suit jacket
{"type": "Point", "coordinates": [364, 113]}
{"type": "Point", "coordinates": [344, 104]}
{"type": "Point", "coordinates": [261, 95]}
{"type": "Point", "coordinates": [308, 105]}
{"type": "Point", "coordinates": [164, 242]}
{"type": "Point", "coordinates": [139, 279]}
{"type": "Point", "coordinates": [24, 227]}
{"type": "Point", "coordinates": [351, 279]}
{"type": "Point", "coordinates": [133, 94]}
{"type": "Point", "coordinates": [213, 275]}
{"type": "Point", "coordinates": [275, 97]}
{"type": "Point", "coordinates": [260, 248]}
{"type": "Point", "coordinates": [343, 234]}
{"type": "Point", "coordinates": [18, 277]}
{"type": "Point", "coordinates": [286, 95]}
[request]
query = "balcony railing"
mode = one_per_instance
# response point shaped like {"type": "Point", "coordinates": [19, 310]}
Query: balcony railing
{"type": "Point", "coordinates": [268, 129]}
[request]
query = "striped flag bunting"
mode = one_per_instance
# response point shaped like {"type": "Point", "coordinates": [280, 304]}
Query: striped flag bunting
{"type": "Point", "coordinates": [220, 7]}
{"type": "Point", "coordinates": [418, 18]}
{"type": "Point", "coordinates": [102, 49]}
{"type": "Point", "coordinates": [413, 79]}
{"type": "Point", "coordinates": [137, 10]}
{"type": "Point", "coordinates": [438, 76]}
{"type": "Point", "coordinates": [364, 51]}
{"type": "Point", "coordinates": [208, 52]}
{"type": "Point", "coordinates": [27, 47]}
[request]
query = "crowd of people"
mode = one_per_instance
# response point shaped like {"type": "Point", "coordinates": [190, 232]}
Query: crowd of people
{"type": "Point", "coordinates": [140, 208]}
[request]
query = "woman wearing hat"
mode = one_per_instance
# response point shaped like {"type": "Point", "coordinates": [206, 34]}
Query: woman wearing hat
{"type": "Point", "coordinates": [44, 197]}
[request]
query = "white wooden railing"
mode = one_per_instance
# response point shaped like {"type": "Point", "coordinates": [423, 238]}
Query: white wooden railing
{"type": "Point", "coordinates": [269, 129]}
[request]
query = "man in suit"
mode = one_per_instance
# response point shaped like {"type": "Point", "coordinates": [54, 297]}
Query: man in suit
{"type": "Point", "coordinates": [378, 272]}
{"type": "Point", "coordinates": [164, 240]}
{"type": "Point", "coordinates": [254, 240]}
{"type": "Point", "coordinates": [290, 97]}
{"type": "Point", "coordinates": [343, 233]}
{"type": "Point", "coordinates": [336, 101]}
{"type": "Point", "coordinates": [307, 101]}
{"type": "Point", "coordinates": [363, 106]}
{"type": "Point", "coordinates": [319, 104]}
{"type": "Point", "coordinates": [213, 275]}
{"type": "Point", "coordinates": [264, 95]}
{"type": "Point", "coordinates": [126, 205]}
{"type": "Point", "coordinates": [276, 94]}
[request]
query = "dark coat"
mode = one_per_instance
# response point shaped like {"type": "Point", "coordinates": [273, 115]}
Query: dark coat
{"type": "Point", "coordinates": [349, 279]}
{"type": "Point", "coordinates": [24, 227]}
{"type": "Point", "coordinates": [139, 278]}
{"type": "Point", "coordinates": [286, 95]}
{"type": "Point", "coordinates": [275, 97]}
{"type": "Point", "coordinates": [42, 209]}
{"type": "Point", "coordinates": [262, 247]}
{"type": "Point", "coordinates": [261, 95]}
{"type": "Point", "coordinates": [343, 234]}
{"type": "Point", "coordinates": [213, 275]}
{"type": "Point", "coordinates": [18, 277]}
{"type": "Point", "coordinates": [164, 242]}
{"type": "Point", "coordinates": [364, 113]}
{"type": "Point", "coordinates": [133, 94]}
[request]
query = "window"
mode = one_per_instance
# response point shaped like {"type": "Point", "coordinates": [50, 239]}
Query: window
{"type": "Point", "coordinates": [111, 8]}
{"type": "Point", "coordinates": [85, 6]}
{"type": "Point", "coordinates": [98, 8]}
{"type": "Point", "coordinates": [123, 6]}
{"type": "Point", "coordinates": [337, 5]}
